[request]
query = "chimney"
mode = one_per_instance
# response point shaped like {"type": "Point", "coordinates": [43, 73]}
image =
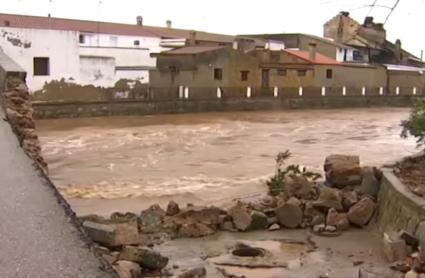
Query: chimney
{"type": "Point", "coordinates": [169, 23]}
{"type": "Point", "coordinates": [397, 52]}
{"type": "Point", "coordinates": [192, 38]}
{"type": "Point", "coordinates": [139, 20]}
{"type": "Point", "coordinates": [312, 51]}
{"type": "Point", "coordinates": [368, 21]}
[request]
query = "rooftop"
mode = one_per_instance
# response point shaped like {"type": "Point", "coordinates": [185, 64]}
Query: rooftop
{"type": "Point", "coordinates": [190, 50]}
{"type": "Point", "coordinates": [52, 23]}
{"type": "Point", "coordinates": [320, 59]}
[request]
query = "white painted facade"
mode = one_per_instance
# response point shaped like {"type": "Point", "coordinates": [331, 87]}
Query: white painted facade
{"type": "Point", "coordinates": [82, 58]}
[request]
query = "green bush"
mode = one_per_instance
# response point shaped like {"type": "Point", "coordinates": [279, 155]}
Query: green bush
{"type": "Point", "coordinates": [415, 125]}
{"type": "Point", "coordinates": [277, 183]}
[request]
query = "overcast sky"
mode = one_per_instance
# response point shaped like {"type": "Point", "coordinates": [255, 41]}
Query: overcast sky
{"type": "Point", "coordinates": [239, 16]}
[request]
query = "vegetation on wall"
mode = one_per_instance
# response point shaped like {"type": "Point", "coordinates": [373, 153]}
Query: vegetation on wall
{"type": "Point", "coordinates": [415, 125]}
{"type": "Point", "coordinates": [278, 181]}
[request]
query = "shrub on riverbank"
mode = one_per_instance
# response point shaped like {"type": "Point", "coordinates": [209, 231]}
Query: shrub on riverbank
{"type": "Point", "coordinates": [415, 125]}
{"type": "Point", "coordinates": [283, 175]}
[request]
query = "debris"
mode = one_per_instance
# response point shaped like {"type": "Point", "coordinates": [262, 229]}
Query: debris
{"type": "Point", "coordinates": [127, 269]}
{"type": "Point", "coordinates": [240, 216]}
{"type": "Point", "coordinates": [274, 227]}
{"type": "Point", "coordinates": [329, 198]}
{"type": "Point", "coordinates": [394, 248]}
{"type": "Point", "coordinates": [258, 221]}
{"type": "Point", "coordinates": [339, 220]}
{"type": "Point", "coordinates": [151, 219]}
{"type": "Point", "coordinates": [197, 272]}
{"type": "Point", "coordinates": [370, 184]}
{"type": "Point", "coordinates": [146, 258]}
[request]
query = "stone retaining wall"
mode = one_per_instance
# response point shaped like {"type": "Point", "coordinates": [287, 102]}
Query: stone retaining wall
{"type": "Point", "coordinates": [400, 209]}
{"type": "Point", "coordinates": [148, 107]}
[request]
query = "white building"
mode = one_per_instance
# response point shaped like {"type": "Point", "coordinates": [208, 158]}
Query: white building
{"type": "Point", "coordinates": [89, 52]}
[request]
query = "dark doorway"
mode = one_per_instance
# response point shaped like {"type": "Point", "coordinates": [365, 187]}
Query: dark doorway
{"type": "Point", "coordinates": [265, 78]}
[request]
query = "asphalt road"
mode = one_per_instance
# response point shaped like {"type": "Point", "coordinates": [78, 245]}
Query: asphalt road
{"type": "Point", "coordinates": [37, 237]}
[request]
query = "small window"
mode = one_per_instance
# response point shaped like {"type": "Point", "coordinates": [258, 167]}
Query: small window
{"type": "Point", "coordinates": [41, 66]}
{"type": "Point", "coordinates": [302, 72]}
{"type": "Point", "coordinates": [244, 75]}
{"type": "Point", "coordinates": [218, 74]}
{"type": "Point", "coordinates": [113, 40]}
{"type": "Point", "coordinates": [82, 38]}
{"type": "Point", "coordinates": [329, 74]}
{"type": "Point", "coordinates": [136, 43]}
{"type": "Point", "coordinates": [281, 72]}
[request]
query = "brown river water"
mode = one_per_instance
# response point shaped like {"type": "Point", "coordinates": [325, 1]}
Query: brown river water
{"type": "Point", "coordinates": [103, 165]}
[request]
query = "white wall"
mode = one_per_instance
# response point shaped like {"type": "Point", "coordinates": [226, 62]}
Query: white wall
{"type": "Point", "coordinates": [69, 58]}
{"type": "Point", "coordinates": [60, 46]}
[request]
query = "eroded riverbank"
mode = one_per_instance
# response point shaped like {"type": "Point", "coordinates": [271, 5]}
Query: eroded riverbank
{"type": "Point", "coordinates": [103, 165]}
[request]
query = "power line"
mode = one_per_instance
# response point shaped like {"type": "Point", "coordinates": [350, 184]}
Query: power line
{"type": "Point", "coordinates": [372, 6]}
{"type": "Point", "coordinates": [392, 10]}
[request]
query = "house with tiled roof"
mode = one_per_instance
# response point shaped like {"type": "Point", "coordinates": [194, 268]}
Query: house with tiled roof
{"type": "Point", "coordinates": [244, 65]}
{"type": "Point", "coordinates": [90, 52]}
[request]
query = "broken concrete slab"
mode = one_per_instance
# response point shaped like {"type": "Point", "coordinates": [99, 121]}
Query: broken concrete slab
{"type": "Point", "coordinates": [145, 257]}
{"type": "Point", "coordinates": [361, 213]}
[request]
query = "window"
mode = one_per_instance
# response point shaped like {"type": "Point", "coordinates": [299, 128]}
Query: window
{"type": "Point", "coordinates": [82, 38]}
{"type": "Point", "coordinates": [244, 75]}
{"type": "Point", "coordinates": [136, 43]}
{"type": "Point", "coordinates": [218, 74]}
{"type": "Point", "coordinates": [41, 66]}
{"type": "Point", "coordinates": [302, 72]}
{"type": "Point", "coordinates": [281, 72]}
{"type": "Point", "coordinates": [329, 74]}
{"type": "Point", "coordinates": [113, 40]}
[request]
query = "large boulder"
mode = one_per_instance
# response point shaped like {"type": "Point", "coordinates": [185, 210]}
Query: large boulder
{"type": "Point", "coordinates": [112, 235]}
{"type": "Point", "coordinates": [329, 198]}
{"type": "Point", "coordinates": [241, 216]}
{"type": "Point", "coordinates": [339, 220]}
{"type": "Point", "coordinates": [127, 269]}
{"type": "Point", "coordinates": [349, 199]}
{"type": "Point", "coordinates": [289, 214]}
{"type": "Point", "coordinates": [299, 187]}
{"type": "Point", "coordinates": [361, 213]}
{"type": "Point", "coordinates": [343, 170]}
{"type": "Point", "coordinates": [210, 216]}
{"type": "Point", "coordinates": [370, 184]}
{"type": "Point", "coordinates": [194, 230]}
{"type": "Point", "coordinates": [258, 221]}
{"type": "Point", "coordinates": [151, 219]}
{"type": "Point", "coordinates": [145, 257]}
{"type": "Point", "coordinates": [172, 208]}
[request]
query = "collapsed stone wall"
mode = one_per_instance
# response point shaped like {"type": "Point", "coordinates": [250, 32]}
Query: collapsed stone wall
{"type": "Point", "coordinates": [17, 105]}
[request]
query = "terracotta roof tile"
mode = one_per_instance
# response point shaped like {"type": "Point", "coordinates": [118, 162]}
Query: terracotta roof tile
{"type": "Point", "coordinates": [320, 59]}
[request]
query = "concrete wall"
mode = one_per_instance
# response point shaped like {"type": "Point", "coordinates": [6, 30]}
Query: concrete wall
{"type": "Point", "coordinates": [400, 209]}
{"type": "Point", "coordinates": [286, 100]}
{"type": "Point", "coordinates": [65, 52]}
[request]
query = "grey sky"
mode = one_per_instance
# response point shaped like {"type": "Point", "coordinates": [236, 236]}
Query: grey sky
{"type": "Point", "coordinates": [238, 16]}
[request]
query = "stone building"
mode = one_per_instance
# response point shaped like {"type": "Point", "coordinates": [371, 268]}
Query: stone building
{"type": "Point", "coordinates": [370, 40]}
{"type": "Point", "coordinates": [327, 47]}
{"type": "Point", "coordinates": [242, 66]}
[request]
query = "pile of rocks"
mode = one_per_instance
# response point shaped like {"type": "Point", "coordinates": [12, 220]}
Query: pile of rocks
{"type": "Point", "coordinates": [347, 197]}
{"type": "Point", "coordinates": [403, 252]}
{"type": "Point", "coordinates": [19, 112]}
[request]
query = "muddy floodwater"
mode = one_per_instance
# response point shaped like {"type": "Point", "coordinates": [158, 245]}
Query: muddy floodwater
{"type": "Point", "coordinates": [103, 165]}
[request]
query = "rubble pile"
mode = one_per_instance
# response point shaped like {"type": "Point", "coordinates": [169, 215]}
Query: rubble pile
{"type": "Point", "coordinates": [346, 198]}
{"type": "Point", "coordinates": [19, 113]}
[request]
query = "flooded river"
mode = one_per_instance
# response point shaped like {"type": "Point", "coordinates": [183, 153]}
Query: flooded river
{"type": "Point", "coordinates": [103, 165]}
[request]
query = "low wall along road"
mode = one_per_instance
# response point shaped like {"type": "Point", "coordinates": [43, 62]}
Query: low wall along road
{"type": "Point", "coordinates": [193, 100]}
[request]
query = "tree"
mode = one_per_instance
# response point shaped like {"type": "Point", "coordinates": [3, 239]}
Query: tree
{"type": "Point", "coordinates": [415, 125]}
